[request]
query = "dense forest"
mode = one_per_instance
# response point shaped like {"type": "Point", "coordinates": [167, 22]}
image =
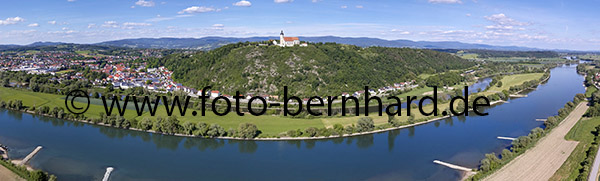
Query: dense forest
{"type": "Point", "coordinates": [322, 68]}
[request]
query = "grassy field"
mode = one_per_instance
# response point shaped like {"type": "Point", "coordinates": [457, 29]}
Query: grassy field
{"type": "Point", "coordinates": [590, 90]}
{"type": "Point", "coordinates": [268, 124]}
{"type": "Point", "coordinates": [590, 56]}
{"type": "Point", "coordinates": [64, 71]}
{"type": "Point", "coordinates": [468, 55]}
{"type": "Point", "coordinates": [581, 132]}
{"type": "Point", "coordinates": [512, 80]}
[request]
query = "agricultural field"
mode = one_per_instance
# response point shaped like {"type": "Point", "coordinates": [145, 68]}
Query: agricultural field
{"type": "Point", "coordinates": [512, 80]}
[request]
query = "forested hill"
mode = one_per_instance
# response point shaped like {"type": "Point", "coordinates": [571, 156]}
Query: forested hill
{"type": "Point", "coordinates": [319, 69]}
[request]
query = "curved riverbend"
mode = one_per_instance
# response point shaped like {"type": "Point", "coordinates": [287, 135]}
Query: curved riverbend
{"type": "Point", "coordinates": [78, 151]}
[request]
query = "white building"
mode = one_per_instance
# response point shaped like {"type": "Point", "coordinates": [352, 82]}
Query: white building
{"type": "Point", "coordinates": [288, 41]}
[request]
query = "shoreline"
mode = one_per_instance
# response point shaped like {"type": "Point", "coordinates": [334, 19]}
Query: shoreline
{"type": "Point", "coordinates": [4, 153]}
{"type": "Point", "coordinates": [269, 139]}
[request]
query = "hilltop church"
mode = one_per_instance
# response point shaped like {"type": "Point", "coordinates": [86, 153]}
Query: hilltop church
{"type": "Point", "coordinates": [288, 41]}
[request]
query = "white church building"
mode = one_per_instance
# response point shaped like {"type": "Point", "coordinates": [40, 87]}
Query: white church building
{"type": "Point", "coordinates": [288, 41]}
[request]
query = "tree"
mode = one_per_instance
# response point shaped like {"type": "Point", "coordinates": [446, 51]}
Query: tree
{"type": "Point", "coordinates": [247, 130]}
{"type": "Point", "coordinates": [39, 175]}
{"type": "Point", "coordinates": [6, 82]}
{"type": "Point", "coordinates": [158, 125]}
{"type": "Point", "coordinates": [215, 130]}
{"type": "Point", "coordinates": [365, 124]}
{"type": "Point", "coordinates": [201, 129]}
{"type": "Point", "coordinates": [145, 124]}
{"type": "Point", "coordinates": [506, 154]}
{"type": "Point", "coordinates": [171, 125]}
{"type": "Point", "coordinates": [189, 128]}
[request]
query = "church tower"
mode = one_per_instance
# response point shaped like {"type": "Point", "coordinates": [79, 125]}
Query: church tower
{"type": "Point", "coordinates": [281, 39]}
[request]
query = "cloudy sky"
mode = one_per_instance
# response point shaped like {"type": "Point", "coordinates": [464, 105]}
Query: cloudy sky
{"type": "Point", "coordinates": [543, 24]}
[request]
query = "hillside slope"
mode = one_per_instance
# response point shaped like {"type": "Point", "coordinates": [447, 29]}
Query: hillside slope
{"type": "Point", "coordinates": [319, 69]}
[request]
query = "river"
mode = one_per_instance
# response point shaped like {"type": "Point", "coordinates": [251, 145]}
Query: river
{"type": "Point", "coordinates": [78, 151]}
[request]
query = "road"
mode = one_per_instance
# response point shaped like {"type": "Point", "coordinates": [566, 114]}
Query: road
{"type": "Point", "coordinates": [542, 161]}
{"type": "Point", "coordinates": [594, 173]}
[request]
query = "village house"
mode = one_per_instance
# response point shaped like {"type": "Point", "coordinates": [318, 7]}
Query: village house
{"type": "Point", "coordinates": [214, 94]}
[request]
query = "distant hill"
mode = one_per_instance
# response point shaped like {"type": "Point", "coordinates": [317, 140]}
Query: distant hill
{"type": "Point", "coordinates": [209, 43]}
{"type": "Point", "coordinates": [206, 43]}
{"type": "Point", "coordinates": [317, 69]}
{"type": "Point", "coordinates": [43, 43]}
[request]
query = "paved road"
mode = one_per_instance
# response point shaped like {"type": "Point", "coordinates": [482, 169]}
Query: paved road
{"type": "Point", "coordinates": [542, 161]}
{"type": "Point", "coordinates": [594, 173]}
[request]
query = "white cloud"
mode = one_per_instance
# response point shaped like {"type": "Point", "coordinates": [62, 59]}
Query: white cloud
{"type": "Point", "coordinates": [315, 1]}
{"type": "Point", "coordinates": [136, 24]}
{"type": "Point", "coordinates": [218, 26]}
{"type": "Point", "coordinates": [283, 1]}
{"type": "Point", "coordinates": [71, 0]}
{"type": "Point", "coordinates": [197, 9]}
{"type": "Point", "coordinates": [145, 3]}
{"type": "Point", "coordinates": [52, 22]}
{"type": "Point", "coordinates": [359, 6]}
{"type": "Point", "coordinates": [468, 14]}
{"type": "Point", "coordinates": [162, 18]}
{"type": "Point", "coordinates": [33, 25]}
{"type": "Point", "coordinates": [91, 25]}
{"type": "Point", "coordinates": [243, 3]}
{"type": "Point", "coordinates": [10, 21]}
{"type": "Point", "coordinates": [110, 24]}
{"type": "Point", "coordinates": [401, 32]}
{"type": "Point", "coordinates": [502, 19]}
{"type": "Point", "coordinates": [445, 1]}
{"type": "Point", "coordinates": [65, 28]}
{"type": "Point", "coordinates": [344, 7]}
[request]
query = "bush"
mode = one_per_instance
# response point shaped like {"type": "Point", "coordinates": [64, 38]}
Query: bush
{"type": "Point", "coordinates": [216, 130]}
{"type": "Point", "coordinates": [338, 128]}
{"type": "Point", "coordinates": [365, 124]}
{"type": "Point", "coordinates": [247, 130]}
{"type": "Point", "coordinates": [310, 132]}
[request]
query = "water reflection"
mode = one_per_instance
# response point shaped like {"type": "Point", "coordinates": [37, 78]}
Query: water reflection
{"type": "Point", "coordinates": [245, 146]}
{"type": "Point", "coordinates": [392, 139]}
{"type": "Point", "coordinates": [15, 115]}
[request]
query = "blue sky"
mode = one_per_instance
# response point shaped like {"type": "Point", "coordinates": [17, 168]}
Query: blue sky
{"type": "Point", "coordinates": [543, 24]}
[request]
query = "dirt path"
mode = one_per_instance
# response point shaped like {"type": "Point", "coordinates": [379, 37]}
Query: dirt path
{"type": "Point", "coordinates": [6, 174]}
{"type": "Point", "coordinates": [541, 161]}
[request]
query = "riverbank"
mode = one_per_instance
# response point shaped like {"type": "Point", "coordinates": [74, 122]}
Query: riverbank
{"type": "Point", "coordinates": [545, 158]}
{"type": "Point", "coordinates": [277, 138]}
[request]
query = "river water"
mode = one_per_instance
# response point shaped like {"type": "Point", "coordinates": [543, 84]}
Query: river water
{"type": "Point", "coordinates": [78, 151]}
